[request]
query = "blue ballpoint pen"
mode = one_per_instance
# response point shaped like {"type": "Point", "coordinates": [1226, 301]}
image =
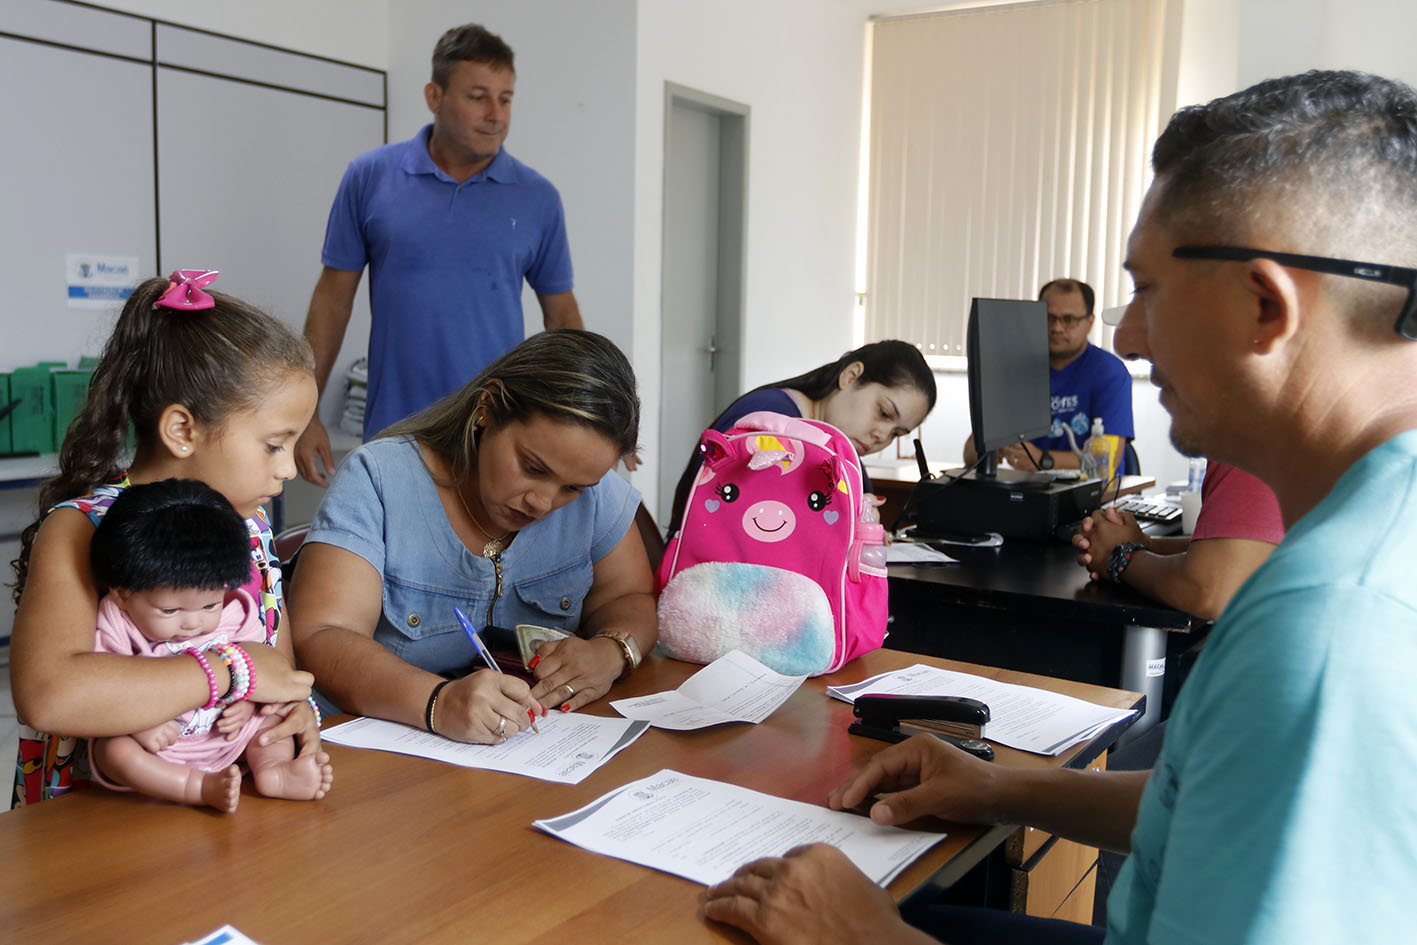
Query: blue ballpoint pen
{"type": "Point", "coordinates": [485, 653]}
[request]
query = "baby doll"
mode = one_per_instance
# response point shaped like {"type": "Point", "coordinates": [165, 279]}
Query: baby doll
{"type": "Point", "coordinates": [173, 556]}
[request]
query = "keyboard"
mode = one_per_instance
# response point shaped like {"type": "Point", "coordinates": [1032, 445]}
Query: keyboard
{"type": "Point", "coordinates": [1149, 510]}
{"type": "Point", "coordinates": [1158, 519]}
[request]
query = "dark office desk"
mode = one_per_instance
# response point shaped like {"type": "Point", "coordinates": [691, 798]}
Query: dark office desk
{"type": "Point", "coordinates": [1028, 606]}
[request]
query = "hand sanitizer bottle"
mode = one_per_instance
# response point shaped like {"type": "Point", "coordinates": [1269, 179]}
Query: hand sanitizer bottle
{"type": "Point", "coordinates": [1101, 449]}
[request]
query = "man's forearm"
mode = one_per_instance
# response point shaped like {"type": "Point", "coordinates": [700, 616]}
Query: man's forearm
{"type": "Point", "coordinates": [330, 307]}
{"type": "Point", "coordinates": [325, 332]}
{"type": "Point", "coordinates": [1096, 808]}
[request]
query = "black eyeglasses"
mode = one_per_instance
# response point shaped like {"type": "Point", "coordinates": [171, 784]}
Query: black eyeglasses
{"type": "Point", "coordinates": [1068, 321]}
{"type": "Point", "coordinates": [1372, 272]}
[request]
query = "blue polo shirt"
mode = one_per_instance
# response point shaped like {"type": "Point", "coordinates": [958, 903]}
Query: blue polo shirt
{"type": "Point", "coordinates": [446, 263]}
{"type": "Point", "coordinates": [1095, 384]}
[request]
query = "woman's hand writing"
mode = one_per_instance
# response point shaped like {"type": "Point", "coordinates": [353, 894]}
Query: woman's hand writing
{"type": "Point", "coordinates": [485, 708]}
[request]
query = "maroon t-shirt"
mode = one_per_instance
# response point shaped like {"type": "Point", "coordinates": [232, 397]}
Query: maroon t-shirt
{"type": "Point", "coordinates": [1234, 504]}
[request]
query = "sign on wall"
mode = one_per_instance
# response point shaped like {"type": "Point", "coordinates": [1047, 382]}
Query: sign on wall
{"type": "Point", "coordinates": [97, 282]}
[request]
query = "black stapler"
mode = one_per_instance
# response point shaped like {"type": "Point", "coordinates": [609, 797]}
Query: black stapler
{"type": "Point", "coordinates": [894, 718]}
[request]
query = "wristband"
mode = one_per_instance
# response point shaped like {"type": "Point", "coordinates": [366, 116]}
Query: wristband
{"type": "Point", "coordinates": [432, 706]}
{"type": "Point", "coordinates": [315, 707]}
{"type": "Point", "coordinates": [211, 676]}
{"type": "Point", "coordinates": [628, 648]}
{"type": "Point", "coordinates": [1120, 557]}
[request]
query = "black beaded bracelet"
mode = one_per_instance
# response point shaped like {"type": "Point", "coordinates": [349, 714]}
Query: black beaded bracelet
{"type": "Point", "coordinates": [432, 705]}
{"type": "Point", "coordinates": [1120, 557]}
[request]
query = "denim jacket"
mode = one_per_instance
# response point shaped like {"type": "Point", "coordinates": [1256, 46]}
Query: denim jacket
{"type": "Point", "coordinates": [383, 506]}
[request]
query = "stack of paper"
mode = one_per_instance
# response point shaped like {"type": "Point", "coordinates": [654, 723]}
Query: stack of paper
{"type": "Point", "coordinates": [733, 688]}
{"type": "Point", "coordinates": [1036, 720]}
{"type": "Point", "coordinates": [569, 747]}
{"type": "Point", "coordinates": [704, 830]}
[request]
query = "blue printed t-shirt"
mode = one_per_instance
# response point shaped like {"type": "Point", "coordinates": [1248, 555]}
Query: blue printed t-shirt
{"type": "Point", "coordinates": [1281, 809]}
{"type": "Point", "coordinates": [446, 262]}
{"type": "Point", "coordinates": [1095, 384]}
{"type": "Point", "coordinates": [384, 507]}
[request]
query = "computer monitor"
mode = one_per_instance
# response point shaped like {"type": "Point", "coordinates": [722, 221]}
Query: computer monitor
{"type": "Point", "coordinates": [1009, 399]}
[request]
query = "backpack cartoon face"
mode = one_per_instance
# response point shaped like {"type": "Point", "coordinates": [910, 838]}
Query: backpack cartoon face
{"type": "Point", "coordinates": [764, 561]}
{"type": "Point", "coordinates": [763, 485]}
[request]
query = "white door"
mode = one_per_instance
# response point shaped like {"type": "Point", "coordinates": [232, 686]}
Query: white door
{"type": "Point", "coordinates": [702, 277]}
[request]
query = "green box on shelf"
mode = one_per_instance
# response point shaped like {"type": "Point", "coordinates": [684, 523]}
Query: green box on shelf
{"type": "Point", "coordinates": [89, 361]}
{"type": "Point", "coordinates": [5, 446]}
{"type": "Point", "coordinates": [32, 422]}
{"type": "Point", "coordinates": [71, 389]}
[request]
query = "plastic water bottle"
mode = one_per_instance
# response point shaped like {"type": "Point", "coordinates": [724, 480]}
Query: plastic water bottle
{"type": "Point", "coordinates": [1196, 475]}
{"type": "Point", "coordinates": [873, 551]}
{"type": "Point", "coordinates": [1100, 449]}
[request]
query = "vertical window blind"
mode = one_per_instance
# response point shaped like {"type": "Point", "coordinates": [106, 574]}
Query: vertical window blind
{"type": "Point", "coordinates": [1008, 145]}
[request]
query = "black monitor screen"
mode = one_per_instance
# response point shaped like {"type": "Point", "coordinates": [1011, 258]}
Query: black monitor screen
{"type": "Point", "coordinates": [1009, 400]}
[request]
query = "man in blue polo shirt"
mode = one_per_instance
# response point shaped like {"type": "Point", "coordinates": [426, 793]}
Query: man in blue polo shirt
{"type": "Point", "coordinates": [449, 225]}
{"type": "Point", "coordinates": [1085, 382]}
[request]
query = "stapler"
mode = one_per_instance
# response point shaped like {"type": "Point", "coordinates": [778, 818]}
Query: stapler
{"type": "Point", "coordinates": [894, 718]}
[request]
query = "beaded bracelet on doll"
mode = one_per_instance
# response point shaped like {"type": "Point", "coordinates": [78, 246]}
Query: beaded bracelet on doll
{"type": "Point", "coordinates": [196, 654]}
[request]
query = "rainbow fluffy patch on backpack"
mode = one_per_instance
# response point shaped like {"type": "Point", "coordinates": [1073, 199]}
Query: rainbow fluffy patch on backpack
{"type": "Point", "coordinates": [779, 617]}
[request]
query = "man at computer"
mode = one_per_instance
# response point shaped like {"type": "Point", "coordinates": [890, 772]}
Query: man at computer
{"type": "Point", "coordinates": [1281, 807]}
{"type": "Point", "coordinates": [1084, 380]}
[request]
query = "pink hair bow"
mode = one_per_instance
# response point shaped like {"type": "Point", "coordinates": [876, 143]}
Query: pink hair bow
{"type": "Point", "coordinates": [185, 290]}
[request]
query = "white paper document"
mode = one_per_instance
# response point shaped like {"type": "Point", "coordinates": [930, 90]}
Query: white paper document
{"type": "Point", "coordinates": [916, 552]}
{"type": "Point", "coordinates": [1036, 720]}
{"type": "Point", "coordinates": [569, 747]}
{"type": "Point", "coordinates": [704, 830]}
{"type": "Point", "coordinates": [733, 688]}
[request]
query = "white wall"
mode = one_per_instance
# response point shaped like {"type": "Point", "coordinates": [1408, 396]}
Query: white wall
{"type": "Point", "coordinates": [1230, 44]}
{"type": "Point", "coordinates": [797, 65]}
{"type": "Point", "coordinates": [348, 30]}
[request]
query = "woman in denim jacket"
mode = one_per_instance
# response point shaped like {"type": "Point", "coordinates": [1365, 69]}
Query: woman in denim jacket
{"type": "Point", "coordinates": [496, 500]}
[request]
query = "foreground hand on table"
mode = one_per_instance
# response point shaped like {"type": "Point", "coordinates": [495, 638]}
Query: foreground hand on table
{"type": "Point", "coordinates": [813, 895]}
{"type": "Point", "coordinates": [922, 776]}
{"type": "Point", "coordinates": [485, 708]}
{"type": "Point", "coordinates": [574, 672]}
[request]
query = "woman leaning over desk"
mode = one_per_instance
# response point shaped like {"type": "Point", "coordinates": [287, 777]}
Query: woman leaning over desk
{"type": "Point", "coordinates": [499, 500]}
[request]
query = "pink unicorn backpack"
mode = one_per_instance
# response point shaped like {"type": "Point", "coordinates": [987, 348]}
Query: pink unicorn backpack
{"type": "Point", "coordinates": [768, 559]}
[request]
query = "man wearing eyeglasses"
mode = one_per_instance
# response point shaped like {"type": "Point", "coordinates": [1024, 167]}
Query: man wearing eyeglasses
{"type": "Point", "coordinates": [1084, 380]}
{"type": "Point", "coordinates": [1281, 808]}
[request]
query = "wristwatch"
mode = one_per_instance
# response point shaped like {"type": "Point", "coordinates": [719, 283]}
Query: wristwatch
{"type": "Point", "coordinates": [628, 646]}
{"type": "Point", "coordinates": [1120, 557]}
{"type": "Point", "coordinates": [1046, 460]}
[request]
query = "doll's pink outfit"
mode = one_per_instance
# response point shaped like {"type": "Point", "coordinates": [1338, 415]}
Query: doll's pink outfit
{"type": "Point", "coordinates": [200, 745]}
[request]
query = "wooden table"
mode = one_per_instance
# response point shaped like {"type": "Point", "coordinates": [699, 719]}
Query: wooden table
{"type": "Point", "coordinates": [409, 850]}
